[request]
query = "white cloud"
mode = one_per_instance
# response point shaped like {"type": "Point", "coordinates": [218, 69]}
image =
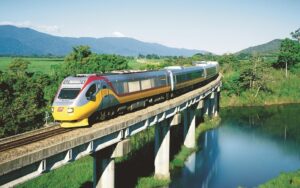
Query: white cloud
{"type": "Point", "coordinates": [118, 34]}
{"type": "Point", "coordinates": [51, 29]}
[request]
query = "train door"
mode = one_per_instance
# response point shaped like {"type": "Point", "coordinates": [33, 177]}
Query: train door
{"type": "Point", "coordinates": [104, 89]}
{"type": "Point", "coordinates": [171, 80]}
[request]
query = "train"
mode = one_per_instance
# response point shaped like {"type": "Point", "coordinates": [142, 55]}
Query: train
{"type": "Point", "coordinates": [84, 99]}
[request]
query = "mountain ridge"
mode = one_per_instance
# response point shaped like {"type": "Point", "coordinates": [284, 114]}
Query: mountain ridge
{"type": "Point", "coordinates": [270, 47]}
{"type": "Point", "coordinates": [26, 41]}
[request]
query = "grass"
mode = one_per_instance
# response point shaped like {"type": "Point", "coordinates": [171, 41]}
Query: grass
{"type": "Point", "coordinates": [43, 65]}
{"type": "Point", "coordinates": [141, 64]}
{"type": "Point", "coordinates": [180, 158]}
{"type": "Point", "coordinates": [149, 182]}
{"type": "Point", "coordinates": [282, 90]}
{"type": "Point", "coordinates": [287, 180]}
{"type": "Point", "coordinates": [76, 174]}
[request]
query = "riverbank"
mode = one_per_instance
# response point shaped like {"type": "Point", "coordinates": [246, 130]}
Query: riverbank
{"type": "Point", "coordinates": [291, 179]}
{"type": "Point", "coordinates": [234, 101]}
{"type": "Point", "coordinates": [181, 157]}
{"type": "Point", "coordinates": [278, 90]}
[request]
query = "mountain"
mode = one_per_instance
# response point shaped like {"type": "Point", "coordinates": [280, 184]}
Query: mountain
{"type": "Point", "coordinates": [267, 48]}
{"type": "Point", "coordinates": [26, 42]}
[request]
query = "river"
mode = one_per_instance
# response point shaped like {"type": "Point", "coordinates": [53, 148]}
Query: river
{"type": "Point", "coordinates": [251, 146]}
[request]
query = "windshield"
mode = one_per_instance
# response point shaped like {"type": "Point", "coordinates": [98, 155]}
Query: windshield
{"type": "Point", "coordinates": [68, 93]}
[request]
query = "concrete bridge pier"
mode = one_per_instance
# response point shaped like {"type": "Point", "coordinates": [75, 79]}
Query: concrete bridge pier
{"type": "Point", "coordinates": [104, 168]}
{"type": "Point", "coordinates": [104, 164]}
{"type": "Point", "coordinates": [212, 101]}
{"type": "Point", "coordinates": [189, 127]}
{"type": "Point", "coordinates": [215, 103]}
{"type": "Point", "coordinates": [199, 111]}
{"type": "Point", "coordinates": [206, 105]}
{"type": "Point", "coordinates": [218, 100]}
{"type": "Point", "coordinates": [162, 150]}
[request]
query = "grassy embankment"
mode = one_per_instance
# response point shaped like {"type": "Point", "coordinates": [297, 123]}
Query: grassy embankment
{"type": "Point", "coordinates": [180, 158]}
{"type": "Point", "coordinates": [282, 91]}
{"type": "Point", "coordinates": [287, 180]}
{"type": "Point", "coordinates": [43, 65]}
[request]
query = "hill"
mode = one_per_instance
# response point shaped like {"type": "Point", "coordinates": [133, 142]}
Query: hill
{"type": "Point", "coordinates": [267, 48]}
{"type": "Point", "coordinates": [28, 42]}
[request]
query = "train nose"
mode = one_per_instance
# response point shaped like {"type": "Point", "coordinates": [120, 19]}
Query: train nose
{"type": "Point", "coordinates": [64, 113]}
{"type": "Point", "coordinates": [60, 109]}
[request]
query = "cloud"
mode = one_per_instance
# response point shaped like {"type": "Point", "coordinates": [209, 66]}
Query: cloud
{"type": "Point", "coordinates": [118, 34]}
{"type": "Point", "coordinates": [51, 29]}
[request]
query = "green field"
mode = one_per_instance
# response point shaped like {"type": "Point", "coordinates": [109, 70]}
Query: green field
{"type": "Point", "coordinates": [44, 64]}
{"type": "Point", "coordinates": [36, 64]}
{"type": "Point", "coordinates": [142, 64]}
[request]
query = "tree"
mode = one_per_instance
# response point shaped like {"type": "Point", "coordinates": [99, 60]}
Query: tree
{"type": "Point", "coordinates": [18, 66]}
{"type": "Point", "coordinates": [289, 55]}
{"type": "Point", "coordinates": [254, 75]}
{"type": "Point", "coordinates": [79, 53]}
{"type": "Point", "coordinates": [296, 34]}
{"type": "Point", "coordinates": [22, 102]}
{"type": "Point", "coordinates": [231, 84]}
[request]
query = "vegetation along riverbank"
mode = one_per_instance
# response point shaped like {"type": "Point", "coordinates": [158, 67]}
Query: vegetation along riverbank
{"type": "Point", "coordinates": [287, 180]}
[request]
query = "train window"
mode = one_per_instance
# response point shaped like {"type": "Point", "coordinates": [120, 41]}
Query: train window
{"type": "Point", "coordinates": [146, 84]}
{"type": "Point", "coordinates": [181, 78]}
{"type": "Point", "coordinates": [68, 93]}
{"type": "Point", "coordinates": [125, 86]}
{"type": "Point", "coordinates": [134, 86]}
{"type": "Point", "coordinates": [91, 91]}
{"type": "Point", "coordinates": [163, 81]}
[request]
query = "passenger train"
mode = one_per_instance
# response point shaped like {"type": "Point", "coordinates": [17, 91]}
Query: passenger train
{"type": "Point", "coordinates": [86, 98]}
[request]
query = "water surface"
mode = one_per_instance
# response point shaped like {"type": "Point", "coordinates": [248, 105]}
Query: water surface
{"type": "Point", "coordinates": [252, 146]}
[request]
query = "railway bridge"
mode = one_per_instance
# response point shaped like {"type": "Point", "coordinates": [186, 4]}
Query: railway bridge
{"type": "Point", "coordinates": [22, 159]}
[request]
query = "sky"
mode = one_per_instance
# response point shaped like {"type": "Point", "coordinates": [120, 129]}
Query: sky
{"type": "Point", "coordinates": [218, 26]}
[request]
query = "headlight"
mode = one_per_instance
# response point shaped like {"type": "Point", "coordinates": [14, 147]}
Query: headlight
{"type": "Point", "coordinates": [70, 110]}
{"type": "Point", "coordinates": [52, 109]}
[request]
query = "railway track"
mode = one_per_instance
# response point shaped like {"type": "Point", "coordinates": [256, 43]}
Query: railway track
{"type": "Point", "coordinates": [33, 138]}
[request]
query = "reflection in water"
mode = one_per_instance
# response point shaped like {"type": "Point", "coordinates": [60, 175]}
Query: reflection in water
{"type": "Point", "coordinates": [201, 166]}
{"type": "Point", "coordinates": [252, 146]}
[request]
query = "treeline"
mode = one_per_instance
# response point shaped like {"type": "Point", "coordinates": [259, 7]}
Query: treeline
{"type": "Point", "coordinates": [26, 97]}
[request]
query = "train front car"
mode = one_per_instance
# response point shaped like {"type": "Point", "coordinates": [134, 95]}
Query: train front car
{"type": "Point", "coordinates": [76, 100]}
{"type": "Point", "coordinates": [93, 97]}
